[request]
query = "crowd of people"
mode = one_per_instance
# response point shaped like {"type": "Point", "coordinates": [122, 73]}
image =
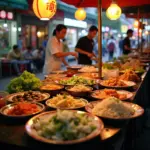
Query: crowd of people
{"type": "Point", "coordinates": [54, 51]}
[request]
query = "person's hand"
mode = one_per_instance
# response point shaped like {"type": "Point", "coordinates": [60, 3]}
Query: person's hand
{"type": "Point", "coordinates": [90, 55]}
{"type": "Point", "coordinates": [74, 54]}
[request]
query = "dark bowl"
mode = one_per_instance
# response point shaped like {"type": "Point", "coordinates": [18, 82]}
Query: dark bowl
{"type": "Point", "coordinates": [78, 94]}
{"type": "Point", "coordinates": [53, 92]}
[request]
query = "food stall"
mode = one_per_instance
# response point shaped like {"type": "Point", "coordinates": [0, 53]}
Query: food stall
{"type": "Point", "coordinates": [75, 109]}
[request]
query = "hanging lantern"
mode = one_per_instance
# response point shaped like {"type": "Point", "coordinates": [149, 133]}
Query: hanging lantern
{"type": "Point", "coordinates": [113, 12]}
{"type": "Point", "coordinates": [136, 24]}
{"type": "Point", "coordinates": [44, 9]}
{"type": "Point", "coordinates": [80, 14]}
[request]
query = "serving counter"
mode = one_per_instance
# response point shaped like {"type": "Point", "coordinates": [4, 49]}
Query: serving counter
{"type": "Point", "coordinates": [120, 136]}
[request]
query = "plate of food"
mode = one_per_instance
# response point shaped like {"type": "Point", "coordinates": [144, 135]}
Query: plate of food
{"type": "Point", "coordinates": [79, 90]}
{"type": "Point", "coordinates": [130, 75]}
{"type": "Point", "coordinates": [58, 72]}
{"type": "Point", "coordinates": [22, 109]}
{"type": "Point", "coordinates": [88, 69]}
{"type": "Point", "coordinates": [77, 80]}
{"type": "Point", "coordinates": [76, 67]}
{"type": "Point", "coordinates": [53, 89]}
{"type": "Point", "coordinates": [106, 93]}
{"type": "Point", "coordinates": [64, 127]}
{"type": "Point", "coordinates": [63, 101]}
{"type": "Point", "coordinates": [117, 83]}
{"type": "Point", "coordinates": [30, 96]}
{"type": "Point", "coordinates": [113, 108]}
{"type": "Point", "coordinates": [88, 75]}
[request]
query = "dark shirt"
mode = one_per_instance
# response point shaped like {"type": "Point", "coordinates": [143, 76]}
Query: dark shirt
{"type": "Point", "coordinates": [126, 42]}
{"type": "Point", "coordinates": [86, 45]}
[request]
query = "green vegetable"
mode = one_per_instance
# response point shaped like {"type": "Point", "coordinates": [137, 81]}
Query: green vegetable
{"type": "Point", "coordinates": [77, 80]}
{"type": "Point", "coordinates": [27, 81]}
{"type": "Point", "coordinates": [108, 66]}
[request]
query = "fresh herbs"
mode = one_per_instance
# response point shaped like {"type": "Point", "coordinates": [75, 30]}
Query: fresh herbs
{"type": "Point", "coordinates": [27, 81]}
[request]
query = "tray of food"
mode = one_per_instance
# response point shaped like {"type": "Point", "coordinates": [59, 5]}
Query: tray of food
{"type": "Point", "coordinates": [63, 101]}
{"type": "Point", "coordinates": [117, 83]}
{"type": "Point", "coordinates": [64, 127]}
{"type": "Point", "coordinates": [106, 93]}
{"type": "Point", "coordinates": [30, 96]}
{"type": "Point", "coordinates": [113, 108]}
{"type": "Point", "coordinates": [22, 109]}
{"type": "Point", "coordinates": [88, 69]}
{"type": "Point", "coordinates": [77, 80]}
{"type": "Point", "coordinates": [79, 90]}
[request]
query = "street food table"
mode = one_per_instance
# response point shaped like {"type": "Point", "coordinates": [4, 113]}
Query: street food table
{"type": "Point", "coordinates": [119, 136]}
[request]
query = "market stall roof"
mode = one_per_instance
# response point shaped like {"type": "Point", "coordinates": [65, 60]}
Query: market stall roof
{"type": "Point", "coordinates": [19, 4]}
{"type": "Point", "coordinates": [106, 3]}
{"type": "Point", "coordinates": [141, 15]}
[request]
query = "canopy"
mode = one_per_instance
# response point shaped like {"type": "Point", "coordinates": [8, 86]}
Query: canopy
{"type": "Point", "coordinates": [20, 4]}
{"type": "Point", "coordinates": [106, 3]}
{"type": "Point", "coordinates": [141, 15]}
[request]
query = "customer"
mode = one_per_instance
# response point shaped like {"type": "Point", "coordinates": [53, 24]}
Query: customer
{"type": "Point", "coordinates": [28, 53]}
{"type": "Point", "coordinates": [15, 57]}
{"type": "Point", "coordinates": [85, 47]}
{"type": "Point", "coordinates": [38, 58]}
{"type": "Point", "coordinates": [20, 42]}
{"type": "Point", "coordinates": [111, 47]}
{"type": "Point", "coordinates": [126, 43]}
{"type": "Point", "coordinates": [54, 50]}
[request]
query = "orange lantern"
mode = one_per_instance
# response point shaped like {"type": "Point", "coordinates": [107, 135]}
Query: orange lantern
{"type": "Point", "coordinates": [80, 14]}
{"type": "Point", "coordinates": [44, 9]}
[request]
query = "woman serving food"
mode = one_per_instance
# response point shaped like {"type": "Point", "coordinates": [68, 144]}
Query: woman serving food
{"type": "Point", "coordinates": [54, 50]}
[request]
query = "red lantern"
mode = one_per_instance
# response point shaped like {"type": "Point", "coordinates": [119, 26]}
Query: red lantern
{"type": "Point", "coordinates": [10, 15]}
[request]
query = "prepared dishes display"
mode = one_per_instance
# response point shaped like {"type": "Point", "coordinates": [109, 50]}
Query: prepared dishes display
{"type": "Point", "coordinates": [77, 80]}
{"type": "Point", "coordinates": [64, 127]}
{"type": "Point", "coordinates": [113, 108]}
{"type": "Point", "coordinates": [116, 82]}
{"type": "Point", "coordinates": [130, 75]}
{"type": "Point", "coordinates": [22, 109]}
{"type": "Point", "coordinates": [50, 87]}
{"type": "Point", "coordinates": [106, 93]}
{"type": "Point", "coordinates": [31, 96]}
{"type": "Point", "coordinates": [66, 102]}
{"type": "Point", "coordinates": [88, 69]}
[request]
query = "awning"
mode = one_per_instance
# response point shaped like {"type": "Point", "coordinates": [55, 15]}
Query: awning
{"type": "Point", "coordinates": [19, 4]}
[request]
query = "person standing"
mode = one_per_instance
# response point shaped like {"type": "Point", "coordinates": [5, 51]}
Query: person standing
{"type": "Point", "coordinates": [111, 47]}
{"type": "Point", "coordinates": [126, 43]}
{"type": "Point", "coordinates": [85, 47]}
{"type": "Point", "coordinates": [44, 43]}
{"type": "Point", "coordinates": [54, 50]}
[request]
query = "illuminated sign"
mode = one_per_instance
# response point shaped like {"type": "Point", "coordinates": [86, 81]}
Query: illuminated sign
{"type": "Point", "coordinates": [75, 23]}
{"type": "Point", "coordinates": [6, 15]}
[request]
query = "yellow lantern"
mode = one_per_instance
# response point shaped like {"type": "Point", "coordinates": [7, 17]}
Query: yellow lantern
{"type": "Point", "coordinates": [44, 9]}
{"type": "Point", "coordinates": [80, 14]}
{"type": "Point", "coordinates": [136, 24]}
{"type": "Point", "coordinates": [113, 12]}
